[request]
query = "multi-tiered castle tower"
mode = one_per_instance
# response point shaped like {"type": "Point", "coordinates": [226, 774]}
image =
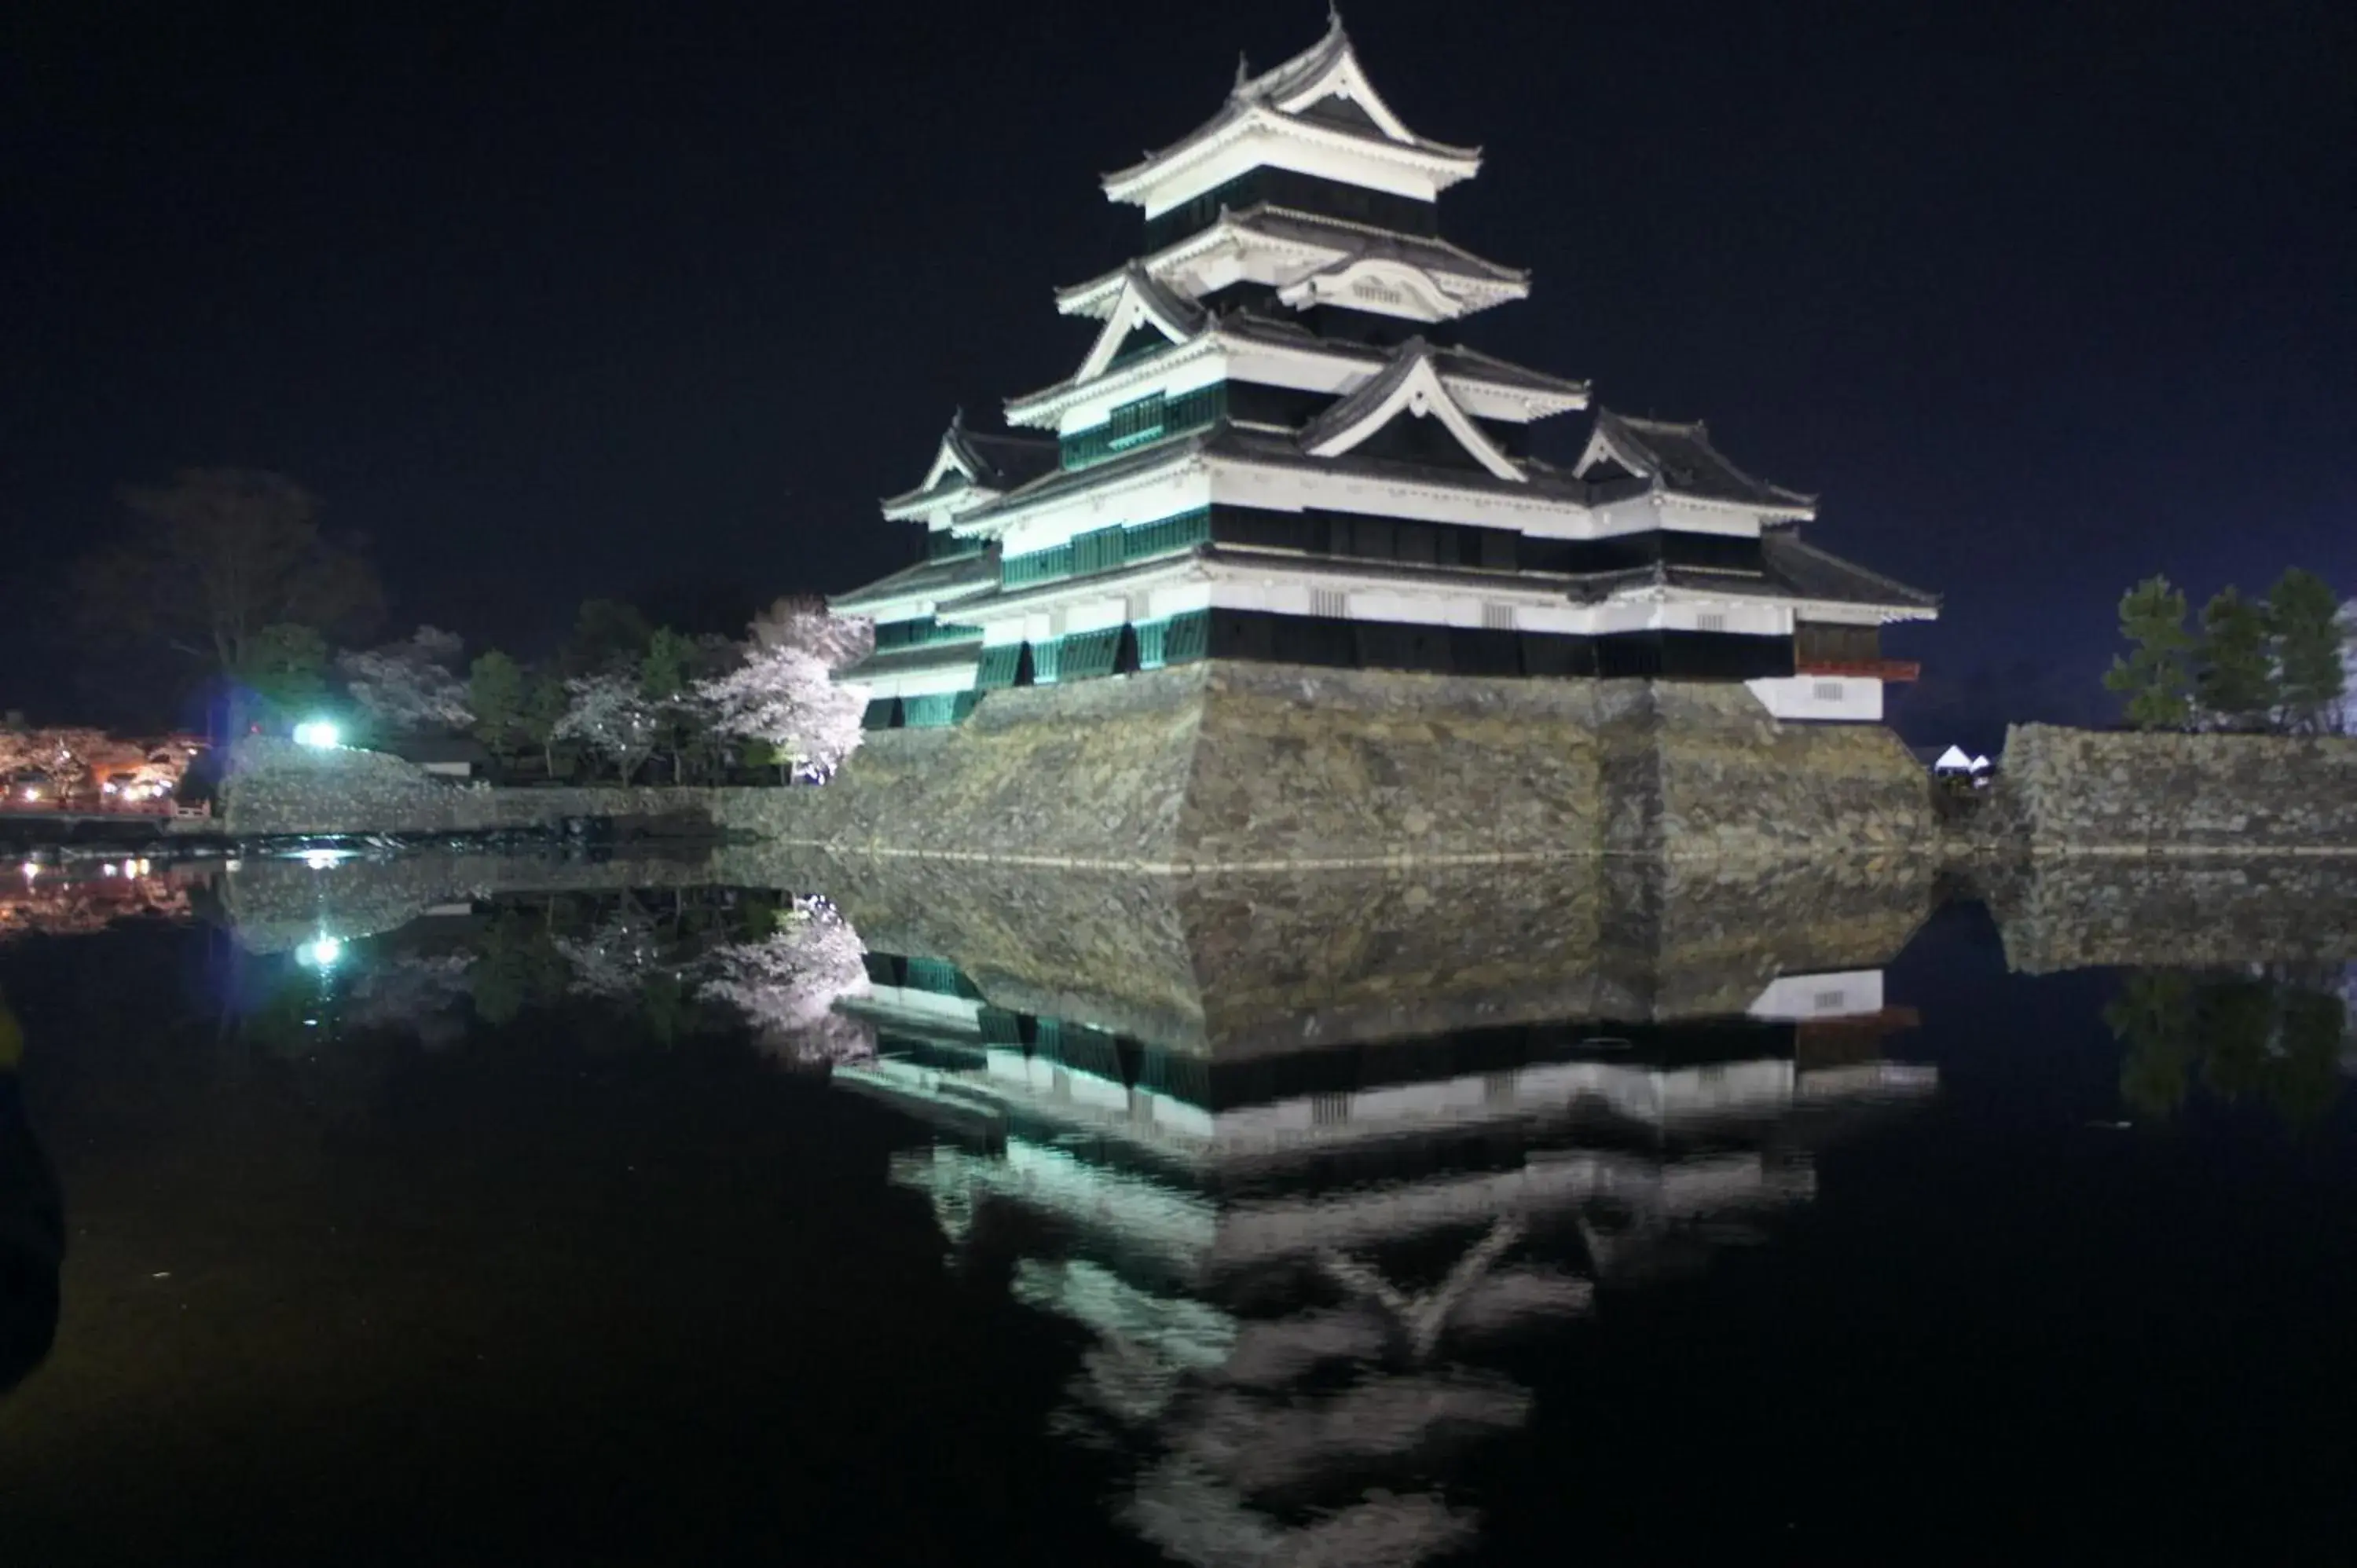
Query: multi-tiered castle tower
{"type": "Point", "coordinates": [1277, 451]}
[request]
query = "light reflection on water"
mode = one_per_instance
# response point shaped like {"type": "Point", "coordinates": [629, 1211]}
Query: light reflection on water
{"type": "Point", "coordinates": [1311, 1220]}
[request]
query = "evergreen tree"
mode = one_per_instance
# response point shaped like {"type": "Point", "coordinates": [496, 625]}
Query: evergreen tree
{"type": "Point", "coordinates": [285, 668]}
{"type": "Point", "coordinates": [2152, 676]}
{"type": "Point", "coordinates": [496, 691]}
{"type": "Point", "coordinates": [2234, 673]}
{"type": "Point", "coordinates": [2301, 612]}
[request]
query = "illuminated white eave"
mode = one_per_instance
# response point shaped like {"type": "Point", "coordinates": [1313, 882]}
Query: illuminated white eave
{"type": "Point", "coordinates": [1096, 298]}
{"type": "Point", "coordinates": [1039, 410]}
{"type": "Point", "coordinates": [1135, 184]}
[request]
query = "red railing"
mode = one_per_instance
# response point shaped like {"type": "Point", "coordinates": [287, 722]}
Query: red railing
{"type": "Point", "coordinates": [1863, 669]}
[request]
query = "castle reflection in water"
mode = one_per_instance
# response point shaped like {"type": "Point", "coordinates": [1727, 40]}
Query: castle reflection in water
{"type": "Point", "coordinates": [1304, 1157]}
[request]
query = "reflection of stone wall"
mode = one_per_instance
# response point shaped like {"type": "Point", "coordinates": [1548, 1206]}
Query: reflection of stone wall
{"type": "Point", "coordinates": [278, 787]}
{"type": "Point", "coordinates": [1240, 963]}
{"type": "Point", "coordinates": [1243, 766]}
{"type": "Point", "coordinates": [277, 905]}
{"type": "Point", "coordinates": [2093, 792]}
{"type": "Point", "coordinates": [2078, 913]}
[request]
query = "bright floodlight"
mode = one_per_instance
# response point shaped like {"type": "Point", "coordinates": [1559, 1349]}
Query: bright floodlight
{"type": "Point", "coordinates": [314, 732]}
{"type": "Point", "coordinates": [320, 954]}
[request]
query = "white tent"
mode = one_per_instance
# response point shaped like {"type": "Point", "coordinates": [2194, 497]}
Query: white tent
{"type": "Point", "coordinates": [1980, 765]}
{"type": "Point", "coordinates": [1952, 760]}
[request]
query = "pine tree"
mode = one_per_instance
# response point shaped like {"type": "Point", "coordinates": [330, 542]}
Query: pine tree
{"type": "Point", "coordinates": [2301, 612]}
{"type": "Point", "coordinates": [2152, 676]}
{"type": "Point", "coordinates": [2234, 671]}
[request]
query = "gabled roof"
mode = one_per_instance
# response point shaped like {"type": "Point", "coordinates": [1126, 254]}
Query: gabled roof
{"type": "Point", "coordinates": [1342, 239]}
{"type": "Point", "coordinates": [1226, 328]}
{"type": "Point", "coordinates": [1144, 301]}
{"type": "Point", "coordinates": [971, 467]}
{"type": "Point", "coordinates": [1289, 97]}
{"type": "Point", "coordinates": [1679, 459]}
{"type": "Point", "coordinates": [1411, 387]}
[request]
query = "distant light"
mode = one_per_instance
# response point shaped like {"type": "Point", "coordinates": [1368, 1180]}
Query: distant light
{"type": "Point", "coordinates": [32, 869]}
{"type": "Point", "coordinates": [107, 870]}
{"type": "Point", "coordinates": [320, 954]}
{"type": "Point", "coordinates": [318, 733]}
{"type": "Point", "coordinates": [109, 788]}
{"type": "Point", "coordinates": [32, 791]}
{"type": "Point", "coordinates": [145, 865]}
{"type": "Point", "coordinates": [321, 859]}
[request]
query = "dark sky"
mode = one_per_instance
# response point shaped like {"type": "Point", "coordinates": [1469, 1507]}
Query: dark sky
{"type": "Point", "coordinates": [585, 300]}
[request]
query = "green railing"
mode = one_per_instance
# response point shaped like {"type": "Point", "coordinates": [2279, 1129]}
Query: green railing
{"type": "Point", "coordinates": [1145, 422]}
{"type": "Point", "coordinates": [941, 544]}
{"type": "Point", "coordinates": [1106, 549]}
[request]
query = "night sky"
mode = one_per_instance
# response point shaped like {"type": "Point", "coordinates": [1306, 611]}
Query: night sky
{"type": "Point", "coordinates": [549, 304]}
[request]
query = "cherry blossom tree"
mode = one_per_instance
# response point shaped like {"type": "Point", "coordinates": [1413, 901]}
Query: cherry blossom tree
{"type": "Point", "coordinates": [410, 687]}
{"type": "Point", "coordinates": [612, 715]}
{"type": "Point", "coordinates": [785, 696]}
{"type": "Point", "coordinates": [68, 756]}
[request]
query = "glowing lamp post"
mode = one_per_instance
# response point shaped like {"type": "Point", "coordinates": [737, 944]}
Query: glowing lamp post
{"type": "Point", "coordinates": [319, 733]}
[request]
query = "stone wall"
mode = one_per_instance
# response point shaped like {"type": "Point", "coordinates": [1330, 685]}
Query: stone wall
{"type": "Point", "coordinates": [275, 787]}
{"type": "Point", "coordinates": [1247, 767]}
{"type": "Point", "coordinates": [2069, 791]}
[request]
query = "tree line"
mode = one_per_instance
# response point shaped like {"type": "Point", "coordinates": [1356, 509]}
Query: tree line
{"type": "Point", "coordinates": [227, 572]}
{"type": "Point", "coordinates": [2274, 664]}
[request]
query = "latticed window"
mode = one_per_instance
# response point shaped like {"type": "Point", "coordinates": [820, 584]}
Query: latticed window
{"type": "Point", "coordinates": [936, 710]}
{"type": "Point", "coordinates": [1148, 420]}
{"type": "Point", "coordinates": [1037, 565]}
{"type": "Point", "coordinates": [1134, 424]}
{"type": "Point", "coordinates": [903, 633]}
{"type": "Point", "coordinates": [1087, 654]}
{"type": "Point", "coordinates": [1164, 535]}
{"type": "Point", "coordinates": [999, 666]}
{"type": "Point", "coordinates": [1099, 549]}
{"type": "Point", "coordinates": [1187, 637]}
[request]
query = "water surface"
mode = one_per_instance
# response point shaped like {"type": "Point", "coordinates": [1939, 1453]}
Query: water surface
{"type": "Point", "coordinates": [715, 1212]}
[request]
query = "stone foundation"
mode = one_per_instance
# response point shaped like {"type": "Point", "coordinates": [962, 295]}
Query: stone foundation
{"type": "Point", "coordinates": [1243, 766]}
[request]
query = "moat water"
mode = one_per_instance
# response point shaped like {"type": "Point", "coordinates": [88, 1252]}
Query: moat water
{"type": "Point", "coordinates": [446, 1212]}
